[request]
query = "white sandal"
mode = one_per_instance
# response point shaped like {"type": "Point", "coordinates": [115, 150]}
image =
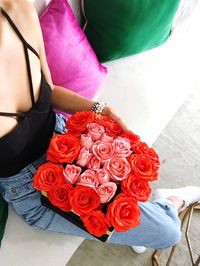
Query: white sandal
{"type": "Point", "coordinates": [138, 249]}
{"type": "Point", "coordinates": [189, 194]}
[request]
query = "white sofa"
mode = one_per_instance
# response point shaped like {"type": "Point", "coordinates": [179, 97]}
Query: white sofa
{"type": "Point", "coordinates": [146, 89]}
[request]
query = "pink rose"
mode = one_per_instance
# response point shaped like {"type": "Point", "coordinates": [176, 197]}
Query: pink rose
{"type": "Point", "coordinates": [102, 176]}
{"type": "Point", "coordinates": [122, 147]}
{"type": "Point", "coordinates": [83, 157]}
{"type": "Point", "coordinates": [103, 151]}
{"type": "Point", "coordinates": [106, 191]}
{"type": "Point", "coordinates": [94, 163]}
{"type": "Point", "coordinates": [117, 168]}
{"type": "Point", "coordinates": [88, 178]}
{"type": "Point", "coordinates": [105, 138]}
{"type": "Point", "coordinates": [86, 141]}
{"type": "Point", "coordinates": [95, 131]}
{"type": "Point", "coordinates": [71, 173]}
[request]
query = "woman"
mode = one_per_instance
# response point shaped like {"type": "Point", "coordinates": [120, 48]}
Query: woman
{"type": "Point", "coordinates": [27, 122]}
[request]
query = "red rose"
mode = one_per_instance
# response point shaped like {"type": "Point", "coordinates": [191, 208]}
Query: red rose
{"type": "Point", "coordinates": [96, 223]}
{"type": "Point", "coordinates": [63, 149]}
{"type": "Point", "coordinates": [113, 129]}
{"type": "Point", "coordinates": [131, 137]}
{"type": "Point", "coordinates": [142, 148]}
{"type": "Point", "coordinates": [59, 197]}
{"type": "Point", "coordinates": [84, 199]}
{"type": "Point", "coordinates": [143, 167]}
{"type": "Point", "coordinates": [48, 176]}
{"type": "Point", "coordinates": [137, 188]}
{"type": "Point", "coordinates": [123, 213]}
{"type": "Point", "coordinates": [77, 123]}
{"type": "Point", "coordinates": [103, 120]}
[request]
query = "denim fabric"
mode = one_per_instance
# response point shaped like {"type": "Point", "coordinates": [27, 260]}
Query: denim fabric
{"type": "Point", "coordinates": [159, 228]}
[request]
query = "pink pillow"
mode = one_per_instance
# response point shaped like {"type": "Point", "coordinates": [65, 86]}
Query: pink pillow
{"type": "Point", "coordinates": [72, 61]}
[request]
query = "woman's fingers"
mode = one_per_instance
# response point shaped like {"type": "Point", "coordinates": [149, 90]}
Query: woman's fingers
{"type": "Point", "coordinates": [110, 112]}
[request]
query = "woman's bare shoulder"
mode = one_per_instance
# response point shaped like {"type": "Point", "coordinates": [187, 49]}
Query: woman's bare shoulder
{"type": "Point", "coordinates": [24, 16]}
{"type": "Point", "coordinates": [18, 6]}
{"type": "Point", "coordinates": [24, 11]}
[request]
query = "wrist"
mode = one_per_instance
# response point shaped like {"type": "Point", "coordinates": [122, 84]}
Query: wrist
{"type": "Point", "coordinates": [98, 107]}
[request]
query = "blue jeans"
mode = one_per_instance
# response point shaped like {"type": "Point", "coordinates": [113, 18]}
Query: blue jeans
{"type": "Point", "coordinates": [159, 228]}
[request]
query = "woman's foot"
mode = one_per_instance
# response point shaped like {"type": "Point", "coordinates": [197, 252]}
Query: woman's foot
{"type": "Point", "coordinates": [181, 197]}
{"type": "Point", "coordinates": [139, 249]}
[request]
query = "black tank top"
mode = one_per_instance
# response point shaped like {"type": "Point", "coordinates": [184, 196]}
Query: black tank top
{"type": "Point", "coordinates": [31, 137]}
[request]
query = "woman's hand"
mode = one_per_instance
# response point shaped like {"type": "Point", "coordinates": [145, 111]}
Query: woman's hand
{"type": "Point", "coordinates": [108, 111]}
{"type": "Point", "coordinates": [70, 102]}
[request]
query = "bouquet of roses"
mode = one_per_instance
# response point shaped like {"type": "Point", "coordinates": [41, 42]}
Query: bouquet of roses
{"type": "Point", "coordinates": [98, 172]}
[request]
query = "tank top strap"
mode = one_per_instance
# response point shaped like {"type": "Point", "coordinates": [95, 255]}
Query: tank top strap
{"type": "Point", "coordinates": [5, 14]}
{"type": "Point", "coordinates": [20, 116]}
{"type": "Point", "coordinates": [26, 47]}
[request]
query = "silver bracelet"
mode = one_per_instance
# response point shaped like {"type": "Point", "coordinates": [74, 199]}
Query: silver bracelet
{"type": "Point", "coordinates": [98, 107]}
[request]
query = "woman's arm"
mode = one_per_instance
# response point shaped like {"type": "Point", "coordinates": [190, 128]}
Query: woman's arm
{"type": "Point", "coordinates": [69, 102]}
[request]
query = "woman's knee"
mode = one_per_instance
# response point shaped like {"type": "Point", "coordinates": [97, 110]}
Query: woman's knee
{"type": "Point", "coordinates": [171, 235]}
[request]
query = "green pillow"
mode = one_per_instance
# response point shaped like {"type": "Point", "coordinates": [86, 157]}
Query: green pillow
{"type": "Point", "coordinates": [118, 28]}
{"type": "Point", "coordinates": [3, 217]}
